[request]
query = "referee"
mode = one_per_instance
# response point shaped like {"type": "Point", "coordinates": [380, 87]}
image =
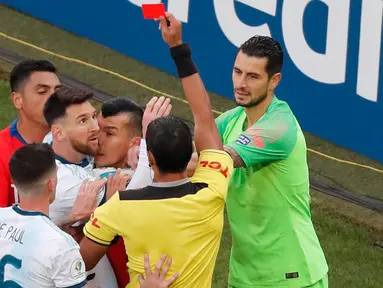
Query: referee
{"type": "Point", "coordinates": [175, 216]}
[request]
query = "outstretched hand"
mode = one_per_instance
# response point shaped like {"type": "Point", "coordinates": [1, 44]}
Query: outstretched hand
{"type": "Point", "coordinates": [171, 29]}
{"type": "Point", "coordinates": [156, 107]}
{"type": "Point", "coordinates": [86, 200]}
{"type": "Point", "coordinates": [156, 279]}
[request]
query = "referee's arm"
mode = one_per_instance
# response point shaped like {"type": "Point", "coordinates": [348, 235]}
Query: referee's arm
{"type": "Point", "coordinates": [100, 231]}
{"type": "Point", "coordinates": [205, 131]}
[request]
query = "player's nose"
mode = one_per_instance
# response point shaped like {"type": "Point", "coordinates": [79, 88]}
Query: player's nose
{"type": "Point", "coordinates": [95, 127]}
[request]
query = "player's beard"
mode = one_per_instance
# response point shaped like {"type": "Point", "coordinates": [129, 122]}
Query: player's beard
{"type": "Point", "coordinates": [254, 102]}
{"type": "Point", "coordinates": [85, 148]}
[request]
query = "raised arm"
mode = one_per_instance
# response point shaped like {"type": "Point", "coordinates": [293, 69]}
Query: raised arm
{"type": "Point", "coordinates": [206, 135]}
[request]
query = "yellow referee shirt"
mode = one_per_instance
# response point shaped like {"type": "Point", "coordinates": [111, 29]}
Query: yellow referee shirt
{"type": "Point", "coordinates": [182, 219]}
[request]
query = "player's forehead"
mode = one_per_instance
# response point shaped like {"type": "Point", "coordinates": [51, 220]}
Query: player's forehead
{"type": "Point", "coordinates": [42, 79]}
{"type": "Point", "coordinates": [250, 64]}
{"type": "Point", "coordinates": [85, 109]}
{"type": "Point", "coordinates": [119, 121]}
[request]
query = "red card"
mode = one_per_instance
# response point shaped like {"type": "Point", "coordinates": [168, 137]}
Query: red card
{"type": "Point", "coordinates": [152, 11]}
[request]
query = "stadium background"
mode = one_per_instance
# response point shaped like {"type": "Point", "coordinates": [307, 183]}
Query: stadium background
{"type": "Point", "coordinates": [352, 236]}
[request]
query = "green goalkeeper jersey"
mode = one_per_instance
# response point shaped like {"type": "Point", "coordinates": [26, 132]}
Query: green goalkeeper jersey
{"type": "Point", "coordinates": [268, 203]}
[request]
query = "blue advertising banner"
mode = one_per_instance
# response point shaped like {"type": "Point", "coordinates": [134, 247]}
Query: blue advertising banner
{"type": "Point", "coordinates": [332, 72]}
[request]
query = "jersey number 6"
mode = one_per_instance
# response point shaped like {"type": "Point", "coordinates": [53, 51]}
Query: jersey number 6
{"type": "Point", "coordinates": [9, 259]}
{"type": "Point", "coordinates": [216, 166]}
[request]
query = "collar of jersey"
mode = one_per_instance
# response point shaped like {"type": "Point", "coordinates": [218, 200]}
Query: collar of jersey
{"type": "Point", "coordinates": [15, 132]}
{"type": "Point", "coordinates": [242, 117]}
{"type": "Point", "coordinates": [82, 164]}
{"type": "Point", "coordinates": [170, 184]}
{"type": "Point", "coordinates": [18, 210]}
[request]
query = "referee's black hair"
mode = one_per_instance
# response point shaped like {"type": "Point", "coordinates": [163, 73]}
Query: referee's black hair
{"type": "Point", "coordinates": [119, 106]}
{"type": "Point", "coordinates": [265, 47]}
{"type": "Point", "coordinates": [170, 141]}
{"type": "Point", "coordinates": [30, 163]}
{"type": "Point", "coordinates": [25, 69]}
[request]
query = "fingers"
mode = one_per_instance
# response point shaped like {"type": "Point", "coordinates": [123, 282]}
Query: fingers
{"type": "Point", "coordinates": [157, 106]}
{"type": "Point", "coordinates": [150, 105]}
{"type": "Point", "coordinates": [159, 265]}
{"type": "Point", "coordinates": [171, 18]}
{"type": "Point", "coordinates": [98, 184]}
{"type": "Point", "coordinates": [164, 25]}
{"type": "Point", "coordinates": [110, 178]}
{"type": "Point", "coordinates": [171, 280]}
{"type": "Point", "coordinates": [123, 181]}
{"type": "Point", "coordinates": [168, 110]}
{"type": "Point", "coordinates": [164, 270]}
{"type": "Point", "coordinates": [147, 265]}
{"type": "Point", "coordinates": [126, 179]}
{"type": "Point", "coordinates": [83, 186]}
{"type": "Point", "coordinates": [164, 108]}
{"type": "Point", "coordinates": [141, 279]}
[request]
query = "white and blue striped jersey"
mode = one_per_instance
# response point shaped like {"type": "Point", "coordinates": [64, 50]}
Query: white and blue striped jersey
{"type": "Point", "coordinates": [70, 178]}
{"type": "Point", "coordinates": [35, 253]}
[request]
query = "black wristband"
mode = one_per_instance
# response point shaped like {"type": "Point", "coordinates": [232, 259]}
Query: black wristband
{"type": "Point", "coordinates": [181, 55]}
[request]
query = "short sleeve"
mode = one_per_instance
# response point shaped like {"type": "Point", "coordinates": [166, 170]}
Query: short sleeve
{"type": "Point", "coordinates": [103, 225]}
{"type": "Point", "coordinates": [221, 123]}
{"type": "Point", "coordinates": [68, 269]}
{"type": "Point", "coordinates": [214, 168]}
{"type": "Point", "coordinates": [270, 139]}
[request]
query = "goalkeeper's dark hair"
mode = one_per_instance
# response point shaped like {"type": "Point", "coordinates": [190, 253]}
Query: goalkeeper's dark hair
{"type": "Point", "coordinates": [265, 47]}
{"type": "Point", "coordinates": [126, 106]}
{"type": "Point", "coordinates": [29, 164]}
{"type": "Point", "coordinates": [22, 71]}
{"type": "Point", "coordinates": [170, 141]}
{"type": "Point", "coordinates": [64, 97]}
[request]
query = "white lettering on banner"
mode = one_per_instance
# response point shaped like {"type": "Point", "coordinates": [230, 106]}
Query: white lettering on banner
{"type": "Point", "coordinates": [140, 2]}
{"type": "Point", "coordinates": [369, 49]}
{"type": "Point", "coordinates": [233, 28]}
{"type": "Point", "coordinates": [326, 68]}
{"type": "Point", "coordinates": [180, 9]}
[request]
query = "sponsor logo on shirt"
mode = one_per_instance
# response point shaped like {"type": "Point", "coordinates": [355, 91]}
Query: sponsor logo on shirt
{"type": "Point", "coordinates": [94, 221]}
{"type": "Point", "coordinates": [214, 165]}
{"type": "Point", "coordinates": [77, 268]}
{"type": "Point", "coordinates": [244, 140]}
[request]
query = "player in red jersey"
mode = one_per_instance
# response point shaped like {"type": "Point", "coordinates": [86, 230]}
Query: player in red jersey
{"type": "Point", "coordinates": [32, 82]}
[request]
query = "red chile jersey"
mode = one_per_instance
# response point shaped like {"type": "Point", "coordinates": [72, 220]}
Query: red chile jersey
{"type": "Point", "coordinates": [10, 141]}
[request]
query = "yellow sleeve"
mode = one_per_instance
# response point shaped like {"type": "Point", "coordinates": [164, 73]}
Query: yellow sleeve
{"type": "Point", "coordinates": [103, 224]}
{"type": "Point", "coordinates": [214, 168]}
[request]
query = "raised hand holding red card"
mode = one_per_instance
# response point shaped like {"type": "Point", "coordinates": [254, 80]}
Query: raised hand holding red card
{"type": "Point", "coordinates": [153, 11]}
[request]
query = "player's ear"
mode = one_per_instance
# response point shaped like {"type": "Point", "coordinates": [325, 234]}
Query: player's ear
{"type": "Point", "coordinates": [135, 141]}
{"type": "Point", "coordinates": [52, 183]}
{"type": "Point", "coordinates": [57, 132]}
{"type": "Point", "coordinates": [152, 161]}
{"type": "Point", "coordinates": [17, 100]}
{"type": "Point", "coordinates": [274, 81]}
